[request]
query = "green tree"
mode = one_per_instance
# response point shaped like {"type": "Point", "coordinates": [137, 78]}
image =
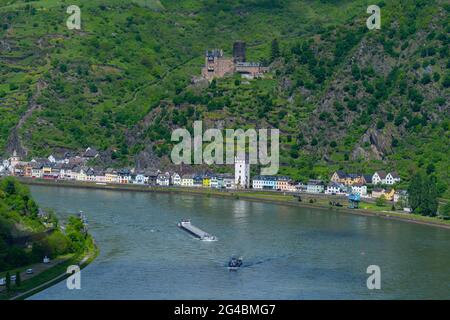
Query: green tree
{"type": "Point", "coordinates": [10, 187]}
{"type": "Point", "coordinates": [415, 192]}
{"type": "Point", "coordinates": [423, 194]}
{"type": "Point", "coordinates": [429, 204]}
{"type": "Point", "coordinates": [274, 50]}
{"type": "Point", "coordinates": [8, 281]}
{"type": "Point", "coordinates": [445, 210]}
{"type": "Point", "coordinates": [380, 201]}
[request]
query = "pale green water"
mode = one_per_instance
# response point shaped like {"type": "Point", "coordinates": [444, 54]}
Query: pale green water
{"type": "Point", "coordinates": [289, 253]}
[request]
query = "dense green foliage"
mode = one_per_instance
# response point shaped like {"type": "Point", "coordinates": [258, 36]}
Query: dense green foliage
{"type": "Point", "coordinates": [423, 195]}
{"type": "Point", "coordinates": [342, 96]}
{"type": "Point", "coordinates": [445, 210]}
{"type": "Point", "coordinates": [25, 237]}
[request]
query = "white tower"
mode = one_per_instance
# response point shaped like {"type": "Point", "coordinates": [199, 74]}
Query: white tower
{"type": "Point", "coordinates": [14, 161]}
{"type": "Point", "coordinates": [242, 172]}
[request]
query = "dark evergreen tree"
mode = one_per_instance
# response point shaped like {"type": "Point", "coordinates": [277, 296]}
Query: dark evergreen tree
{"type": "Point", "coordinates": [8, 281]}
{"type": "Point", "coordinates": [275, 50]}
{"type": "Point", "coordinates": [415, 192]}
{"type": "Point", "coordinates": [18, 280]}
{"type": "Point", "coordinates": [10, 187]}
{"type": "Point", "coordinates": [429, 204]}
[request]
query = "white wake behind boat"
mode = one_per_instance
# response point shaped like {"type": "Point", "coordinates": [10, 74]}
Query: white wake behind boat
{"type": "Point", "coordinates": [208, 237]}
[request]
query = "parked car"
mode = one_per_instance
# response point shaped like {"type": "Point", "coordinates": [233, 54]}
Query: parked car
{"type": "Point", "coordinates": [13, 278]}
{"type": "Point", "coordinates": [2, 281]}
{"type": "Point", "coordinates": [46, 260]}
{"type": "Point", "coordinates": [29, 271]}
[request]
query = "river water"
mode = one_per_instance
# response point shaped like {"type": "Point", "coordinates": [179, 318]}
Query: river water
{"type": "Point", "coordinates": [288, 252]}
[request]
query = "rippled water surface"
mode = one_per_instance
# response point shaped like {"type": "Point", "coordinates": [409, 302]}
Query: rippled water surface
{"type": "Point", "coordinates": [289, 252]}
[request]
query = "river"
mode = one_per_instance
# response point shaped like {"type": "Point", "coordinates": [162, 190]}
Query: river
{"type": "Point", "coordinates": [288, 252]}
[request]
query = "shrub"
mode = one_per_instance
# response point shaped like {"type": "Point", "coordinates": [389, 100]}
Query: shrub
{"type": "Point", "coordinates": [380, 201]}
{"type": "Point", "coordinates": [380, 124]}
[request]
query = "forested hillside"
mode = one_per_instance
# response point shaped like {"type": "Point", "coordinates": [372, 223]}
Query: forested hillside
{"type": "Point", "coordinates": [27, 234]}
{"type": "Point", "coordinates": [343, 96]}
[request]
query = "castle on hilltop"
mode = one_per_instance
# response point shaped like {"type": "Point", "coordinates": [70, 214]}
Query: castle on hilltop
{"type": "Point", "coordinates": [217, 65]}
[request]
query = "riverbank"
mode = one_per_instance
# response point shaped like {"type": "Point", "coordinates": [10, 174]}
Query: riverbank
{"type": "Point", "coordinates": [50, 276]}
{"type": "Point", "coordinates": [367, 207]}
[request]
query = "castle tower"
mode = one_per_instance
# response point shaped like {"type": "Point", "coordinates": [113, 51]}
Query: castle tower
{"type": "Point", "coordinates": [242, 172]}
{"type": "Point", "coordinates": [239, 51]}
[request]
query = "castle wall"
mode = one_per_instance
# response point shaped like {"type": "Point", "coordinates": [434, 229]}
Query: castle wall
{"type": "Point", "coordinates": [217, 68]}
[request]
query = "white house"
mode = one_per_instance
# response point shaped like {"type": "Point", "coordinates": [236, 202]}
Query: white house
{"type": "Point", "coordinates": [140, 178]}
{"type": "Point", "coordinates": [175, 179]}
{"type": "Point", "coordinates": [315, 186]}
{"type": "Point", "coordinates": [5, 165]}
{"type": "Point", "coordinates": [242, 172]}
{"type": "Point", "coordinates": [336, 188]}
{"type": "Point", "coordinates": [53, 159]}
{"type": "Point", "coordinates": [360, 189]}
{"type": "Point", "coordinates": [187, 180]}
{"type": "Point", "coordinates": [36, 170]}
{"type": "Point", "coordinates": [82, 176]}
{"type": "Point", "coordinates": [381, 177]}
{"type": "Point", "coordinates": [392, 178]}
{"type": "Point", "coordinates": [163, 180]}
{"type": "Point", "coordinates": [264, 182]}
{"type": "Point", "coordinates": [378, 177]}
{"type": "Point", "coordinates": [214, 182]}
{"type": "Point", "coordinates": [63, 172]}
{"type": "Point", "coordinates": [229, 182]}
{"type": "Point", "coordinates": [300, 187]}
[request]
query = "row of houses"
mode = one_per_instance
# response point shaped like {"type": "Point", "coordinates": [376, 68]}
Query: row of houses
{"type": "Point", "coordinates": [74, 168]}
{"type": "Point", "coordinates": [379, 177]}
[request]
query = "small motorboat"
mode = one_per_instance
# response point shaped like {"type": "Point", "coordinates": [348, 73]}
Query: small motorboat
{"type": "Point", "coordinates": [234, 264]}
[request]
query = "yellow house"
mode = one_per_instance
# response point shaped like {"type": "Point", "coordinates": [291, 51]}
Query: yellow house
{"type": "Point", "coordinates": [28, 170]}
{"type": "Point", "coordinates": [388, 194]}
{"type": "Point", "coordinates": [46, 170]}
{"type": "Point", "coordinates": [206, 182]}
{"type": "Point", "coordinates": [347, 179]}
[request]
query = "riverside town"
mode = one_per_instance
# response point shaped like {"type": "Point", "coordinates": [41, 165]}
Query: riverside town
{"type": "Point", "coordinates": [379, 184]}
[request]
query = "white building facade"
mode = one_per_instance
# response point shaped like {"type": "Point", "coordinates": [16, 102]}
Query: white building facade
{"type": "Point", "coordinates": [242, 172]}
